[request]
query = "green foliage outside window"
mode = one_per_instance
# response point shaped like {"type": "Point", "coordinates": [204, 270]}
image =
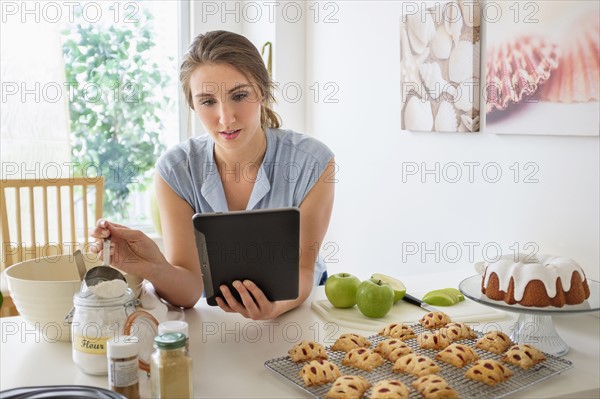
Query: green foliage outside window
{"type": "Point", "coordinates": [117, 97]}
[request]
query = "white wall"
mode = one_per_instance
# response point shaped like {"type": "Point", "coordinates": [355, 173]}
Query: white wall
{"type": "Point", "coordinates": [379, 218]}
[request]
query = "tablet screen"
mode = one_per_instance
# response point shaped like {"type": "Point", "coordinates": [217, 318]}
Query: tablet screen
{"type": "Point", "coordinates": [258, 245]}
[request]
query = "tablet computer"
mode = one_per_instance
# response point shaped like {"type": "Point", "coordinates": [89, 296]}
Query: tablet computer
{"type": "Point", "coordinates": [259, 245]}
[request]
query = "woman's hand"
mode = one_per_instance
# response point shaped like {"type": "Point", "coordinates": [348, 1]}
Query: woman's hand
{"type": "Point", "coordinates": [255, 304]}
{"type": "Point", "coordinates": [131, 251]}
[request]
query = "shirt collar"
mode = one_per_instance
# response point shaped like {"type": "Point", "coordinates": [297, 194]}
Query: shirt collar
{"type": "Point", "coordinates": [212, 189]}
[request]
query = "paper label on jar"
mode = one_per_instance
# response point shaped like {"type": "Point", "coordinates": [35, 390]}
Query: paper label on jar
{"type": "Point", "coordinates": [92, 345]}
{"type": "Point", "coordinates": [123, 373]}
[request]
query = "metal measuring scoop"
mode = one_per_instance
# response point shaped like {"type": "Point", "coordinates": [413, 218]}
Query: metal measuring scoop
{"type": "Point", "coordinates": [98, 274]}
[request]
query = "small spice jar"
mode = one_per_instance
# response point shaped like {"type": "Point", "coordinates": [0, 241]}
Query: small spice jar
{"type": "Point", "coordinates": [94, 321]}
{"type": "Point", "coordinates": [179, 326]}
{"type": "Point", "coordinates": [122, 354]}
{"type": "Point", "coordinates": [170, 367]}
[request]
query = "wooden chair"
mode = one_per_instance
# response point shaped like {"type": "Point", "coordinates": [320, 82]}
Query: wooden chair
{"type": "Point", "coordinates": [43, 217]}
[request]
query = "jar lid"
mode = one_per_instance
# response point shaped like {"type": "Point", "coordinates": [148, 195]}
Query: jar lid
{"type": "Point", "coordinates": [91, 300]}
{"type": "Point", "coordinates": [122, 347]}
{"type": "Point", "coordinates": [173, 326]}
{"type": "Point", "coordinates": [170, 341]}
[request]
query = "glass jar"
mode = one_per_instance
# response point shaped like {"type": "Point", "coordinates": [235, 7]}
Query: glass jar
{"type": "Point", "coordinates": [123, 366]}
{"type": "Point", "coordinates": [94, 321]}
{"type": "Point", "coordinates": [170, 367]}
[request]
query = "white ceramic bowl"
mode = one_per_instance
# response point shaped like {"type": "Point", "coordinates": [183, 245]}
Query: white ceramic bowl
{"type": "Point", "coordinates": [42, 290]}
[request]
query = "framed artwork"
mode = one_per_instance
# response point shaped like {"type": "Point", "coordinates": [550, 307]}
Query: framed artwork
{"type": "Point", "coordinates": [542, 67]}
{"type": "Point", "coordinates": [440, 66]}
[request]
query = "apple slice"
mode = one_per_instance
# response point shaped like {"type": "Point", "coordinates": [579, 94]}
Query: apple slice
{"type": "Point", "coordinates": [397, 285]}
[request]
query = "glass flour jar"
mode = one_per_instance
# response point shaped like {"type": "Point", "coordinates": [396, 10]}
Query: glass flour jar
{"type": "Point", "coordinates": [94, 321]}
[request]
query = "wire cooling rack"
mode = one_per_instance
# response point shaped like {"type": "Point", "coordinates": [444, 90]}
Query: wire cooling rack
{"type": "Point", "coordinates": [466, 388]}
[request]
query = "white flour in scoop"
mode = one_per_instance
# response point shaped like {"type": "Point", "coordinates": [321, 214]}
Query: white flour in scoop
{"type": "Point", "coordinates": [109, 289]}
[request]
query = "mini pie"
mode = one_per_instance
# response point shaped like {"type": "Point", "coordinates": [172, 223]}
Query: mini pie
{"type": "Point", "coordinates": [348, 387]}
{"type": "Point", "coordinates": [433, 387]}
{"type": "Point", "coordinates": [494, 341]}
{"type": "Point", "coordinates": [346, 342]}
{"type": "Point", "coordinates": [416, 365]}
{"type": "Point", "coordinates": [432, 340]}
{"type": "Point", "coordinates": [319, 372]}
{"type": "Point", "coordinates": [389, 389]}
{"type": "Point", "coordinates": [433, 320]}
{"type": "Point", "coordinates": [399, 331]}
{"type": "Point", "coordinates": [458, 355]}
{"type": "Point", "coordinates": [523, 356]}
{"type": "Point", "coordinates": [489, 372]}
{"type": "Point", "coordinates": [362, 358]}
{"type": "Point", "coordinates": [392, 349]}
{"type": "Point", "coordinates": [307, 350]}
{"type": "Point", "coordinates": [458, 331]}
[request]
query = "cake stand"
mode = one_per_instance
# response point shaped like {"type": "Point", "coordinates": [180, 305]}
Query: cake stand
{"type": "Point", "coordinates": [534, 325]}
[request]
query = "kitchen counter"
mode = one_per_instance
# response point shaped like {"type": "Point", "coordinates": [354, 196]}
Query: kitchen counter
{"type": "Point", "coordinates": [229, 351]}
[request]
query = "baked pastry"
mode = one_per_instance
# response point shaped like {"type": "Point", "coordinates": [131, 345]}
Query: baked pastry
{"type": "Point", "coordinates": [400, 331]}
{"type": "Point", "coordinates": [432, 340]}
{"type": "Point", "coordinates": [494, 341]}
{"type": "Point", "coordinates": [349, 341]}
{"type": "Point", "coordinates": [433, 387]}
{"type": "Point", "coordinates": [389, 389]}
{"type": "Point", "coordinates": [307, 350]}
{"type": "Point", "coordinates": [545, 280]}
{"type": "Point", "coordinates": [458, 355]}
{"type": "Point", "coordinates": [433, 320]}
{"type": "Point", "coordinates": [348, 387]}
{"type": "Point", "coordinates": [362, 358]}
{"type": "Point", "coordinates": [414, 364]}
{"type": "Point", "coordinates": [392, 349]}
{"type": "Point", "coordinates": [524, 356]}
{"type": "Point", "coordinates": [319, 372]}
{"type": "Point", "coordinates": [488, 371]}
{"type": "Point", "coordinates": [457, 331]}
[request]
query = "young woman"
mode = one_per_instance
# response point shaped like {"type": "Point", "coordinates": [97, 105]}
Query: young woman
{"type": "Point", "coordinates": [245, 161]}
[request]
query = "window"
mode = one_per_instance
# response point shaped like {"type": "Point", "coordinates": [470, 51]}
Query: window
{"type": "Point", "coordinates": [88, 88]}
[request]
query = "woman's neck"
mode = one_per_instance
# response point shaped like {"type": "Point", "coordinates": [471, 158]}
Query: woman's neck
{"type": "Point", "coordinates": [251, 155]}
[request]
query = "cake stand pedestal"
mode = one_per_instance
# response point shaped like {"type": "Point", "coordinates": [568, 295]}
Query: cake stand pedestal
{"type": "Point", "coordinates": [534, 325]}
{"type": "Point", "coordinates": [539, 331]}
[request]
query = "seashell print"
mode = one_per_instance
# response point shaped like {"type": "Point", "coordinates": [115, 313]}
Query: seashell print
{"type": "Point", "coordinates": [461, 63]}
{"type": "Point", "coordinates": [470, 123]}
{"type": "Point", "coordinates": [467, 96]}
{"type": "Point", "coordinates": [421, 30]}
{"type": "Point", "coordinates": [409, 67]}
{"type": "Point", "coordinates": [516, 69]}
{"type": "Point", "coordinates": [439, 55]}
{"type": "Point", "coordinates": [441, 45]}
{"type": "Point", "coordinates": [445, 119]}
{"type": "Point", "coordinates": [577, 78]}
{"type": "Point", "coordinates": [471, 12]}
{"type": "Point", "coordinates": [453, 20]}
{"type": "Point", "coordinates": [418, 115]}
{"type": "Point", "coordinates": [431, 74]}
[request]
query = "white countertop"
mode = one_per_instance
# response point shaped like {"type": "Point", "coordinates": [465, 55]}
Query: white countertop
{"type": "Point", "coordinates": [229, 351]}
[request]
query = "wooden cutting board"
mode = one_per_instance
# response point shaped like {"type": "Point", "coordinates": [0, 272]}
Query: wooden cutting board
{"type": "Point", "coordinates": [466, 311]}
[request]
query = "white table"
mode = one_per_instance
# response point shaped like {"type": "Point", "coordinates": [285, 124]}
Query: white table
{"type": "Point", "coordinates": [229, 352]}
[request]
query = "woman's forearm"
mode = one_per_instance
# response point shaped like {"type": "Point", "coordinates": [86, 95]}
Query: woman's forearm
{"type": "Point", "coordinates": [177, 285]}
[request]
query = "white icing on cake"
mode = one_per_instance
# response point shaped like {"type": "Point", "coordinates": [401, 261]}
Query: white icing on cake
{"type": "Point", "coordinates": [546, 268]}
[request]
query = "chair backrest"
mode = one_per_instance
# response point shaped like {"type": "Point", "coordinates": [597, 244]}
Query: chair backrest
{"type": "Point", "coordinates": [47, 217]}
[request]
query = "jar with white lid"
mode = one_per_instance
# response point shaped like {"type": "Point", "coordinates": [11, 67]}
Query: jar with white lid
{"type": "Point", "coordinates": [94, 321]}
{"type": "Point", "coordinates": [123, 376]}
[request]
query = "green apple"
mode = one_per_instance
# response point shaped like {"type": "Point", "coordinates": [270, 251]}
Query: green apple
{"type": "Point", "coordinates": [397, 285]}
{"type": "Point", "coordinates": [341, 289]}
{"type": "Point", "coordinates": [374, 298]}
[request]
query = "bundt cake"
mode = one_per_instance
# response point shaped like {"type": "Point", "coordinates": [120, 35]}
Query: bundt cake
{"type": "Point", "coordinates": [545, 280]}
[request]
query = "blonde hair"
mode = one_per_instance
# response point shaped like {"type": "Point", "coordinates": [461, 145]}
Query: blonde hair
{"type": "Point", "coordinates": [222, 47]}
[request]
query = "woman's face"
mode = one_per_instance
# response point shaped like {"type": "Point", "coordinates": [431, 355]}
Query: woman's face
{"type": "Point", "coordinates": [227, 104]}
